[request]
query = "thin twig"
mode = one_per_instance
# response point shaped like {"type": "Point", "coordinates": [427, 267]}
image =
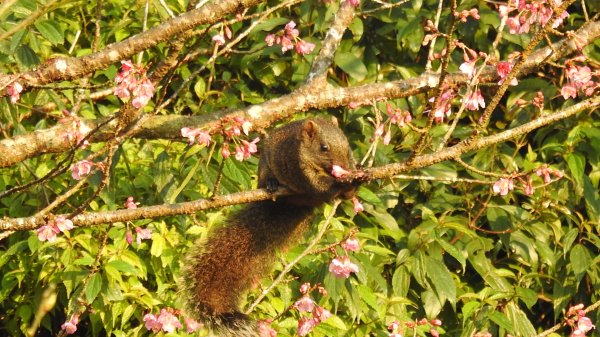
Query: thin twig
{"type": "Point", "coordinates": [304, 253]}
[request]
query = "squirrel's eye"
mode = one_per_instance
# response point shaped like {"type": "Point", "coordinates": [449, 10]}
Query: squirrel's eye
{"type": "Point", "coordinates": [324, 147]}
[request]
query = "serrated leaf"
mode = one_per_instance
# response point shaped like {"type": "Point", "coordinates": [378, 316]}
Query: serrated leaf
{"type": "Point", "coordinates": [366, 294]}
{"type": "Point", "coordinates": [351, 65]}
{"type": "Point", "coordinates": [522, 325]}
{"type": "Point", "coordinates": [270, 24]}
{"type": "Point", "coordinates": [580, 259]}
{"type": "Point", "coordinates": [501, 319]}
{"type": "Point", "coordinates": [158, 244]}
{"type": "Point", "coordinates": [93, 287]}
{"type": "Point", "coordinates": [441, 279]}
{"type": "Point", "coordinates": [51, 31]}
{"type": "Point", "coordinates": [26, 57]}
{"type": "Point", "coordinates": [121, 266]}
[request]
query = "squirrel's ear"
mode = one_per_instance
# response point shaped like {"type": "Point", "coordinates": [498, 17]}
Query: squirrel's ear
{"type": "Point", "coordinates": [334, 121]}
{"type": "Point", "coordinates": [310, 128]}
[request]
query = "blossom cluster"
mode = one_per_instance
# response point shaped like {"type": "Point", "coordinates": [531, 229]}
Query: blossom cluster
{"type": "Point", "coordinates": [52, 227]}
{"type": "Point", "coordinates": [232, 130]}
{"type": "Point", "coordinates": [14, 90]}
{"type": "Point", "coordinates": [133, 82]}
{"type": "Point", "coordinates": [341, 267]}
{"type": "Point", "coordinates": [76, 130]}
{"type": "Point", "coordinates": [580, 323]}
{"type": "Point", "coordinates": [70, 326]}
{"type": "Point", "coordinates": [579, 79]}
{"type": "Point", "coordinates": [530, 12]}
{"type": "Point", "coordinates": [288, 39]}
{"type": "Point", "coordinates": [506, 184]}
{"type": "Point", "coordinates": [396, 328]}
{"type": "Point", "coordinates": [340, 172]}
{"type": "Point", "coordinates": [168, 321]}
{"type": "Point", "coordinates": [308, 306]}
{"type": "Point", "coordinates": [219, 39]}
{"type": "Point", "coordinates": [81, 169]}
{"type": "Point", "coordinates": [395, 116]}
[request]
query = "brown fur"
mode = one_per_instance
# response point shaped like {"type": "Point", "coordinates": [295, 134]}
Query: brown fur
{"type": "Point", "coordinates": [299, 156]}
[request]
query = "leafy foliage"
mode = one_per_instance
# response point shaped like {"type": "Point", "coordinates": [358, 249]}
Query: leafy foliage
{"type": "Point", "coordinates": [444, 247]}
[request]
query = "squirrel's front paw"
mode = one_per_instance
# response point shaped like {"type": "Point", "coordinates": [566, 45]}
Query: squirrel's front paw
{"type": "Point", "coordinates": [272, 185]}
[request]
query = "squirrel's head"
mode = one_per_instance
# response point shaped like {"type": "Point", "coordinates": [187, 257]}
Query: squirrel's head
{"type": "Point", "coordinates": [323, 146]}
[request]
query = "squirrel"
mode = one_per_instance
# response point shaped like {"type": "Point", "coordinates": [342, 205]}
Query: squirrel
{"type": "Point", "coordinates": [298, 156]}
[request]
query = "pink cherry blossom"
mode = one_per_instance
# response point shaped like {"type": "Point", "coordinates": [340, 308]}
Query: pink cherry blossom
{"type": "Point", "coordinates": [503, 186]}
{"type": "Point", "coordinates": [468, 68]}
{"type": "Point", "coordinates": [270, 39]}
{"type": "Point", "coordinates": [128, 237]}
{"type": "Point", "coordinates": [568, 91]}
{"type": "Point", "coordinates": [303, 47]}
{"type": "Point", "coordinates": [338, 171]}
{"type": "Point", "coordinates": [474, 100]}
{"type": "Point", "coordinates": [351, 244]}
{"type": "Point", "coordinates": [142, 234]}
{"type": "Point", "coordinates": [132, 81]}
{"type": "Point", "coordinates": [219, 39]}
{"type": "Point", "coordinates": [70, 326]}
{"type": "Point", "coordinates": [14, 91]}
{"type": "Point", "coordinates": [47, 232]}
{"type": "Point", "coordinates": [353, 3]}
{"type": "Point", "coordinates": [304, 288]}
{"type": "Point", "coordinates": [577, 333]}
{"type": "Point", "coordinates": [81, 169]}
{"type": "Point", "coordinates": [265, 330]}
{"type": "Point", "coordinates": [305, 304]}
{"type": "Point", "coordinates": [342, 267]}
{"type": "Point", "coordinates": [169, 322]}
{"type": "Point", "coordinates": [433, 332]}
{"type": "Point", "coordinates": [436, 322]}
{"type": "Point", "coordinates": [528, 189]}
{"type": "Point", "coordinates": [225, 151]}
{"type": "Point", "coordinates": [320, 314]}
{"type": "Point", "coordinates": [394, 326]}
{"type": "Point", "coordinates": [585, 324]}
{"type": "Point", "coordinates": [130, 203]}
{"type": "Point", "coordinates": [305, 325]}
{"type": "Point", "coordinates": [62, 223]}
{"type": "Point", "coordinates": [191, 324]}
{"type": "Point", "coordinates": [503, 68]}
{"type": "Point", "coordinates": [152, 323]}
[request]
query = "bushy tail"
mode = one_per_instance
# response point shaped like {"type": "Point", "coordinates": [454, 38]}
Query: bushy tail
{"type": "Point", "coordinates": [235, 256]}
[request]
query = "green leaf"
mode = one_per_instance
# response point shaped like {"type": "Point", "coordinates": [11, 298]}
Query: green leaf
{"type": "Point", "coordinates": [93, 287]}
{"type": "Point", "coordinates": [158, 244]}
{"type": "Point", "coordinates": [580, 260]}
{"type": "Point", "coordinates": [576, 162]}
{"type": "Point", "coordinates": [51, 31]}
{"type": "Point", "coordinates": [200, 88]}
{"type": "Point", "coordinates": [27, 57]}
{"type": "Point", "coordinates": [351, 65]}
{"type": "Point", "coordinates": [270, 24]}
{"type": "Point", "coordinates": [522, 325]}
{"type": "Point", "coordinates": [122, 266]}
{"type": "Point", "coordinates": [441, 279]}
{"type": "Point", "coordinates": [357, 28]}
{"type": "Point", "coordinates": [366, 294]}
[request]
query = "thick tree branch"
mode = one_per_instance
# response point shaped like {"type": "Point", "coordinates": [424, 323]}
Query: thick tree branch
{"type": "Point", "coordinates": [77, 67]}
{"type": "Point", "coordinates": [382, 172]}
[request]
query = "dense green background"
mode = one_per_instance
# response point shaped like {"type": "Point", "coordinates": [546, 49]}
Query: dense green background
{"type": "Point", "coordinates": [420, 257]}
